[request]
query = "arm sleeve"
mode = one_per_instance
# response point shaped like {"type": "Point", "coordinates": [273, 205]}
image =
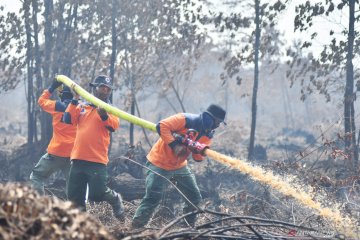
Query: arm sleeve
{"type": "Point", "coordinates": [169, 125]}
{"type": "Point", "coordinates": [46, 103]}
{"type": "Point", "coordinates": [111, 122]}
{"type": "Point", "coordinates": [72, 112]}
{"type": "Point", "coordinates": [198, 157]}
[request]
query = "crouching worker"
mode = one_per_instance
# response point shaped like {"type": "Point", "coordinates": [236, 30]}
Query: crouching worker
{"type": "Point", "coordinates": [168, 157]}
{"type": "Point", "coordinates": [89, 157]}
{"type": "Point", "coordinates": [58, 152]}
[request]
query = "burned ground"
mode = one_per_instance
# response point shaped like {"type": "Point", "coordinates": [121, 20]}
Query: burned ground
{"type": "Point", "coordinates": [234, 205]}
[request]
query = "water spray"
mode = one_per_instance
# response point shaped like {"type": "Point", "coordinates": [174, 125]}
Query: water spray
{"type": "Point", "coordinates": [342, 224]}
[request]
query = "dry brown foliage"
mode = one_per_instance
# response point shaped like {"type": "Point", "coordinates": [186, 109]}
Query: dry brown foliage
{"type": "Point", "coordinates": [26, 215]}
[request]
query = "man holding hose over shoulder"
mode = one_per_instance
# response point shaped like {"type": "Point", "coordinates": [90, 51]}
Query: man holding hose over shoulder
{"type": "Point", "coordinates": [89, 157]}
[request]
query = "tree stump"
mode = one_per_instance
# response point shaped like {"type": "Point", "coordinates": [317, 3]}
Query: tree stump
{"type": "Point", "coordinates": [129, 187]}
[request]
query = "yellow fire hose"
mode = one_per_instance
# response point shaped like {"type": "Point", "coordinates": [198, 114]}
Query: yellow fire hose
{"type": "Point", "coordinates": [110, 109]}
{"type": "Point", "coordinates": [341, 223]}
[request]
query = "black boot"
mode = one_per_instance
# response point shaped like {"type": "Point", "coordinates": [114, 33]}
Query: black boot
{"type": "Point", "coordinates": [118, 207]}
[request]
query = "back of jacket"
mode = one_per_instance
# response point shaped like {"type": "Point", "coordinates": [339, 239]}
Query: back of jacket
{"type": "Point", "coordinates": [63, 137]}
{"type": "Point", "coordinates": [93, 133]}
{"type": "Point", "coordinates": [162, 155]}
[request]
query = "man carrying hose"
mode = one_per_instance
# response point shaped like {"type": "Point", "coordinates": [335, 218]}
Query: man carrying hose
{"type": "Point", "coordinates": [168, 157]}
{"type": "Point", "coordinates": [89, 157]}
{"type": "Point", "coordinates": [58, 152]}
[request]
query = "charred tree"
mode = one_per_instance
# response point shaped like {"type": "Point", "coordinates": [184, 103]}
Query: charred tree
{"type": "Point", "coordinates": [29, 67]}
{"type": "Point", "coordinates": [349, 119]}
{"type": "Point", "coordinates": [256, 81]}
{"type": "Point", "coordinates": [48, 47]}
{"type": "Point", "coordinates": [333, 67]}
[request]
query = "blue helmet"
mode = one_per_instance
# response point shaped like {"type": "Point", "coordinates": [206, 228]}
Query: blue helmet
{"type": "Point", "coordinates": [102, 80]}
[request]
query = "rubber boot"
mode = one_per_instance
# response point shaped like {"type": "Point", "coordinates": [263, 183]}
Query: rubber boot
{"type": "Point", "coordinates": [118, 208]}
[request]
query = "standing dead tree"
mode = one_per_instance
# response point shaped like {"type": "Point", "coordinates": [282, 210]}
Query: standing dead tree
{"type": "Point", "coordinates": [332, 70]}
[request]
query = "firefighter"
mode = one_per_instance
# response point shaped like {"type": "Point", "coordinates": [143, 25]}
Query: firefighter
{"type": "Point", "coordinates": [168, 157]}
{"type": "Point", "coordinates": [89, 157]}
{"type": "Point", "coordinates": [57, 156]}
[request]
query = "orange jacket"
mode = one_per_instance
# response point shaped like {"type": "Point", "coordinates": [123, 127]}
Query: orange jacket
{"type": "Point", "coordinates": [161, 154]}
{"type": "Point", "coordinates": [63, 137]}
{"type": "Point", "coordinates": [93, 133]}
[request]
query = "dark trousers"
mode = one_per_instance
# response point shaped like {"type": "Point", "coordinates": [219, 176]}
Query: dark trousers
{"type": "Point", "coordinates": [47, 165]}
{"type": "Point", "coordinates": [185, 181]}
{"type": "Point", "coordinates": [83, 173]}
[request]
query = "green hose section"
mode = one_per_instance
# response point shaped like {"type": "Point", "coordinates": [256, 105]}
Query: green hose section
{"type": "Point", "coordinates": [99, 103]}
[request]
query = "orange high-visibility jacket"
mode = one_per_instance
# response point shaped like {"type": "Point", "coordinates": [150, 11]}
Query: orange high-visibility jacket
{"type": "Point", "coordinates": [93, 133]}
{"type": "Point", "coordinates": [162, 155]}
{"type": "Point", "coordinates": [63, 137]}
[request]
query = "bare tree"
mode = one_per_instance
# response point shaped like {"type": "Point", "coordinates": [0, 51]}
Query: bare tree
{"type": "Point", "coordinates": [323, 73]}
{"type": "Point", "coordinates": [256, 80]}
{"type": "Point", "coordinates": [253, 47]}
{"type": "Point", "coordinates": [81, 39]}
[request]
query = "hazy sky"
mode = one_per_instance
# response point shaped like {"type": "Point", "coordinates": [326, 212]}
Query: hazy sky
{"type": "Point", "coordinates": [285, 21]}
{"type": "Point", "coordinates": [11, 5]}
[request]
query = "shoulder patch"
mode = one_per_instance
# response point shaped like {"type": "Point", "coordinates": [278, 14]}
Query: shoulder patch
{"type": "Point", "coordinates": [82, 111]}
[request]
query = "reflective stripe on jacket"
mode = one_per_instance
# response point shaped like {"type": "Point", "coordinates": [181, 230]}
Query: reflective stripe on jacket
{"type": "Point", "coordinates": [63, 136]}
{"type": "Point", "coordinates": [93, 134]}
{"type": "Point", "coordinates": [162, 155]}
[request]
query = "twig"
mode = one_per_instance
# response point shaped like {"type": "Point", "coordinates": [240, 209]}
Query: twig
{"type": "Point", "coordinates": [229, 217]}
{"type": "Point", "coordinates": [240, 220]}
{"type": "Point", "coordinates": [348, 201]}
{"type": "Point", "coordinates": [305, 219]}
{"type": "Point", "coordinates": [173, 222]}
{"type": "Point", "coordinates": [292, 213]}
{"type": "Point", "coordinates": [314, 141]}
{"type": "Point", "coordinates": [233, 227]}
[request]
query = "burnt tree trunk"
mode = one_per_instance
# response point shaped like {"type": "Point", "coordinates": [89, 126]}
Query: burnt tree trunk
{"type": "Point", "coordinates": [349, 121]}
{"type": "Point", "coordinates": [70, 27]}
{"type": "Point", "coordinates": [113, 43]}
{"type": "Point", "coordinates": [129, 187]}
{"type": "Point", "coordinates": [132, 111]}
{"type": "Point", "coordinates": [59, 39]}
{"type": "Point", "coordinates": [49, 39]}
{"type": "Point", "coordinates": [113, 54]}
{"type": "Point", "coordinates": [43, 117]}
{"type": "Point", "coordinates": [48, 34]}
{"type": "Point", "coordinates": [29, 66]}
{"type": "Point", "coordinates": [256, 81]}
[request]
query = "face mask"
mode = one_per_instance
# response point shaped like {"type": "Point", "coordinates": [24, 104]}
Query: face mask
{"type": "Point", "coordinates": [208, 122]}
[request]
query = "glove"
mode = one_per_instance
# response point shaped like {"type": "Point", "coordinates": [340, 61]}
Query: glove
{"type": "Point", "coordinates": [54, 85]}
{"type": "Point", "coordinates": [76, 96]}
{"type": "Point", "coordinates": [102, 113]}
{"type": "Point", "coordinates": [180, 150]}
{"type": "Point", "coordinates": [197, 148]}
{"type": "Point", "coordinates": [192, 145]}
